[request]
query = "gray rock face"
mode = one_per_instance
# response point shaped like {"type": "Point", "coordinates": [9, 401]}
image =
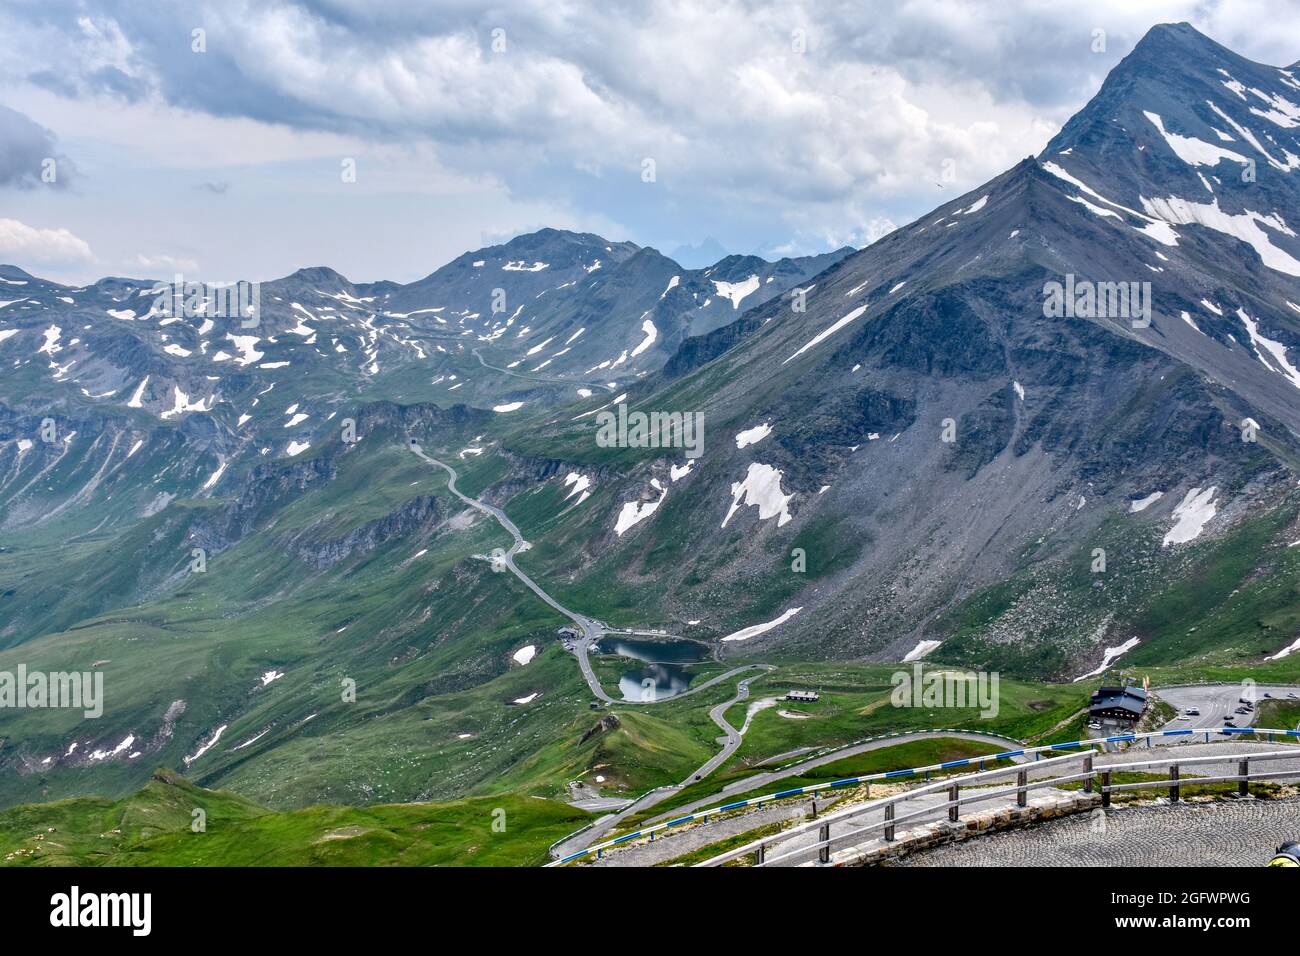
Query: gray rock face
{"type": "Point", "coordinates": [1013, 432]}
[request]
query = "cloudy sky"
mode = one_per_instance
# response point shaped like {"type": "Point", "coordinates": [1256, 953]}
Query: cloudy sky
{"type": "Point", "coordinates": [777, 128]}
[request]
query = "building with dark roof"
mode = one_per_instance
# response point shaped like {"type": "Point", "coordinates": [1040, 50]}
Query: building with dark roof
{"type": "Point", "coordinates": [1118, 703]}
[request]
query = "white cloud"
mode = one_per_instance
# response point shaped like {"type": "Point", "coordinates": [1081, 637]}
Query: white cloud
{"type": "Point", "coordinates": [753, 141]}
{"type": "Point", "coordinates": [165, 264]}
{"type": "Point", "coordinates": [23, 244]}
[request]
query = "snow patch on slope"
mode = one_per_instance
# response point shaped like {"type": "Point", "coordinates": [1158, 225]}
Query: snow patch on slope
{"type": "Point", "coordinates": [735, 291]}
{"type": "Point", "coordinates": [1111, 654]}
{"type": "Point", "coordinates": [752, 436]}
{"type": "Point", "coordinates": [1191, 516]}
{"type": "Point", "coordinates": [746, 633]}
{"type": "Point", "coordinates": [634, 512]}
{"type": "Point", "coordinates": [1193, 151]}
{"type": "Point", "coordinates": [1244, 226]}
{"type": "Point", "coordinates": [761, 487]}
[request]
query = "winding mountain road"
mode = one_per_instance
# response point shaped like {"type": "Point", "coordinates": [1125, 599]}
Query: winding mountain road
{"type": "Point", "coordinates": [542, 379]}
{"type": "Point", "coordinates": [591, 629]}
{"type": "Point", "coordinates": [761, 780]}
{"type": "Point", "coordinates": [730, 741]}
{"type": "Point", "coordinates": [591, 632]}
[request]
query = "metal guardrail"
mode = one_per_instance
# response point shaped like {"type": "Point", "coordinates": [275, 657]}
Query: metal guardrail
{"type": "Point", "coordinates": [803, 758]}
{"type": "Point", "coordinates": [1243, 776]}
{"type": "Point", "coordinates": [1089, 777]}
{"type": "Point", "coordinates": [817, 753]}
{"type": "Point", "coordinates": [867, 779]}
{"type": "Point", "coordinates": [891, 819]}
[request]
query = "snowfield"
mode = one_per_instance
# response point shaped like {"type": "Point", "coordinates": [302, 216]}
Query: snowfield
{"type": "Point", "coordinates": [634, 512]}
{"type": "Point", "coordinates": [1245, 226]}
{"type": "Point", "coordinates": [651, 333]}
{"type": "Point", "coordinates": [922, 648]}
{"type": "Point", "coordinates": [752, 436]}
{"type": "Point", "coordinates": [761, 487]}
{"type": "Point", "coordinates": [828, 332]}
{"type": "Point", "coordinates": [746, 633]}
{"type": "Point", "coordinates": [1191, 516]}
{"type": "Point", "coordinates": [735, 291]}
{"type": "Point", "coordinates": [1193, 151]}
{"type": "Point", "coordinates": [1274, 349]}
{"type": "Point", "coordinates": [1142, 504]}
{"type": "Point", "coordinates": [1111, 655]}
{"type": "Point", "coordinates": [579, 485]}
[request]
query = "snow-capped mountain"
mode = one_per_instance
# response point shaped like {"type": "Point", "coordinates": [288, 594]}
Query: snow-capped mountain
{"type": "Point", "coordinates": [544, 318]}
{"type": "Point", "coordinates": [1201, 156]}
{"type": "Point", "coordinates": [954, 446]}
{"type": "Point", "coordinates": [575, 307]}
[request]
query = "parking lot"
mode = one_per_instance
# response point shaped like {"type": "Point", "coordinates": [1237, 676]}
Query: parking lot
{"type": "Point", "coordinates": [1219, 701]}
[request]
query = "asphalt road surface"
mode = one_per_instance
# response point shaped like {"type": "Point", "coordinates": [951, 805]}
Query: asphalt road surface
{"type": "Point", "coordinates": [1216, 701]}
{"type": "Point", "coordinates": [672, 844]}
{"type": "Point", "coordinates": [591, 630]}
{"type": "Point", "coordinates": [731, 739]}
{"type": "Point", "coordinates": [1230, 750]}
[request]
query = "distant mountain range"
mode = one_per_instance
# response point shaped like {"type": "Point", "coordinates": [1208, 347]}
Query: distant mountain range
{"type": "Point", "coordinates": [700, 255]}
{"type": "Point", "coordinates": [572, 305]}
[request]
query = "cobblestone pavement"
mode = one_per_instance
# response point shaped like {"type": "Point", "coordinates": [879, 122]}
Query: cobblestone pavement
{"type": "Point", "coordinates": [1219, 833]}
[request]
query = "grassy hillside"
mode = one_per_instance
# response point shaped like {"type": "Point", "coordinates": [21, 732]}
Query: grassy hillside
{"type": "Point", "coordinates": [154, 827]}
{"type": "Point", "coordinates": [1230, 600]}
{"type": "Point", "coordinates": [339, 577]}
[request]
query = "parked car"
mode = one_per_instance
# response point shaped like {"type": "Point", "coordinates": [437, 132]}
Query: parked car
{"type": "Point", "coordinates": [1193, 712]}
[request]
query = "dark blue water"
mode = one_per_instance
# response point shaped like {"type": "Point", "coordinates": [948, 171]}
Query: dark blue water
{"type": "Point", "coordinates": [662, 673]}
